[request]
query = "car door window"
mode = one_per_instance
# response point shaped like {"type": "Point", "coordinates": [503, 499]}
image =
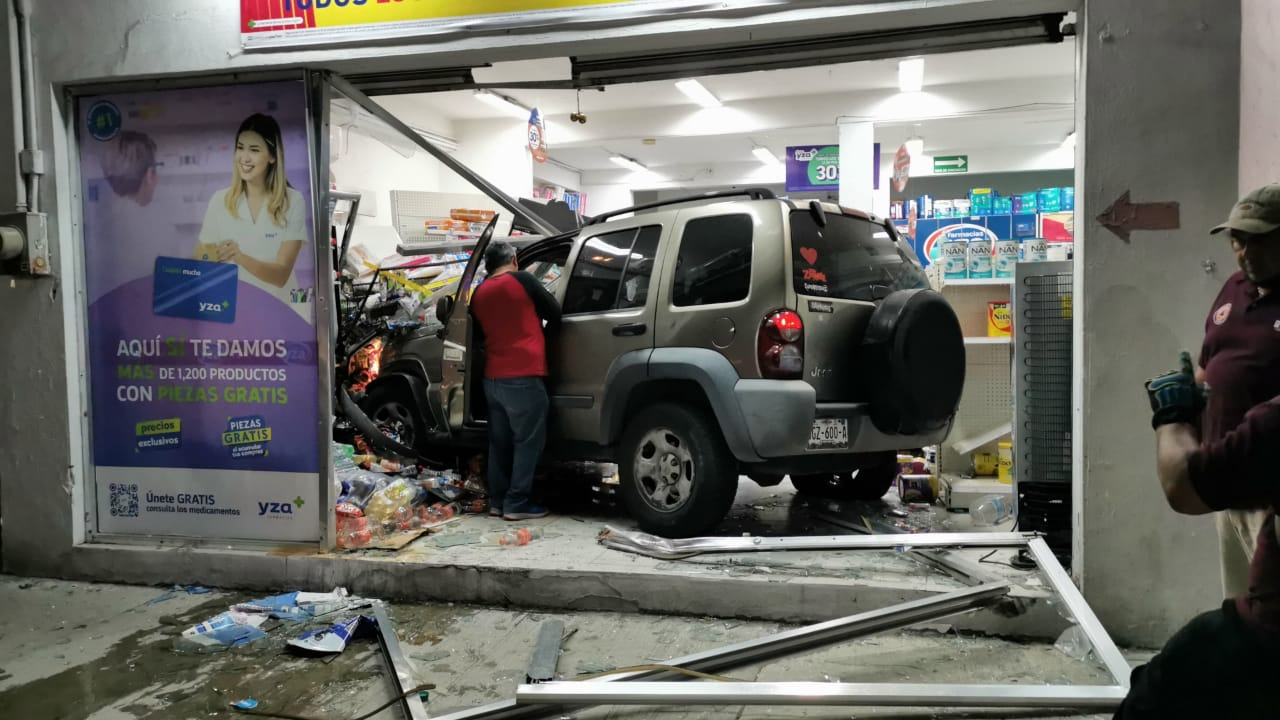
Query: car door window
{"type": "Point", "coordinates": [635, 281]}
{"type": "Point", "coordinates": [612, 271]}
{"type": "Point", "coordinates": [714, 264]}
{"type": "Point", "coordinates": [548, 267]}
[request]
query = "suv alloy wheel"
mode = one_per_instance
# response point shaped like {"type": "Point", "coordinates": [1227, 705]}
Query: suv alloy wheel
{"type": "Point", "coordinates": [395, 414]}
{"type": "Point", "coordinates": [678, 476]}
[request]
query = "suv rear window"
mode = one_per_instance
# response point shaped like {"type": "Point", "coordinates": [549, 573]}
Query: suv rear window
{"type": "Point", "coordinates": [850, 258]}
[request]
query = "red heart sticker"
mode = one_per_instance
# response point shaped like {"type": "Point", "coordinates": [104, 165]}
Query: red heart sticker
{"type": "Point", "coordinates": [809, 254]}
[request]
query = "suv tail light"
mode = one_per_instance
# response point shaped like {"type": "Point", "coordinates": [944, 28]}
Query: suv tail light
{"type": "Point", "coordinates": [780, 346]}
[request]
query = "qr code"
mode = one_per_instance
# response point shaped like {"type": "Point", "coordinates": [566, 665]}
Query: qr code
{"type": "Point", "coordinates": [124, 500]}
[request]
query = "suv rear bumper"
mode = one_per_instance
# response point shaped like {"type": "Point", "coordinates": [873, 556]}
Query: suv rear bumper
{"type": "Point", "coordinates": [779, 415]}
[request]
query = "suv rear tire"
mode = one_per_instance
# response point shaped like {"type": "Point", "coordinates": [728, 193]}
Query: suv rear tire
{"type": "Point", "coordinates": [678, 476]}
{"type": "Point", "coordinates": [871, 482]}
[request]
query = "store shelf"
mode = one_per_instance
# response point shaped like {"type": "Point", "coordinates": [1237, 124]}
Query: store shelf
{"type": "Point", "coordinates": [988, 340]}
{"type": "Point", "coordinates": [979, 282]}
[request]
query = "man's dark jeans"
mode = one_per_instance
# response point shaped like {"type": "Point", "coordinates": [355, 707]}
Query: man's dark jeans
{"type": "Point", "coordinates": [1214, 667]}
{"type": "Point", "coordinates": [517, 434]}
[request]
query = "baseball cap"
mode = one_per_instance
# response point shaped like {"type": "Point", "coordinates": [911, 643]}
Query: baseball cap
{"type": "Point", "coordinates": [1257, 213]}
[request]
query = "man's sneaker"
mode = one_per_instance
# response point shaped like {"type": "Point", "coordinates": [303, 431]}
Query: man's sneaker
{"type": "Point", "coordinates": [533, 513]}
{"type": "Point", "coordinates": [495, 511]}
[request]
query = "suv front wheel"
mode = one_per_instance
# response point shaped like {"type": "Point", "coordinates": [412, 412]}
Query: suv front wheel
{"type": "Point", "coordinates": [869, 482]}
{"type": "Point", "coordinates": [678, 476]}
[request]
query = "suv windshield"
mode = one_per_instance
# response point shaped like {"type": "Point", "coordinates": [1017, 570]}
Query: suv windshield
{"type": "Point", "coordinates": [851, 258]}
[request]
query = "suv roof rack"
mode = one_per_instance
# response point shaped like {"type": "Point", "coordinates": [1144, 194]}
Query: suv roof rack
{"type": "Point", "coordinates": [753, 193]}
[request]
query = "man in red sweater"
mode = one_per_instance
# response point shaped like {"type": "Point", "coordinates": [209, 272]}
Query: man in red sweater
{"type": "Point", "coordinates": [511, 308]}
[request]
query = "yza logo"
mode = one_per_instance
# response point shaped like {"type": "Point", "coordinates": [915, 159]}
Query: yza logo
{"type": "Point", "coordinates": [278, 509]}
{"type": "Point", "coordinates": [214, 307]}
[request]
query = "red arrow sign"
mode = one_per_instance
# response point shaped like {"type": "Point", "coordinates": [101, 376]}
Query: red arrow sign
{"type": "Point", "coordinates": [1124, 216]}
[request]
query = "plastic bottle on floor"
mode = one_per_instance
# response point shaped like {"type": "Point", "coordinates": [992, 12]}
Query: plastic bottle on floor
{"type": "Point", "coordinates": [441, 512]}
{"type": "Point", "coordinates": [517, 537]}
{"type": "Point", "coordinates": [989, 510]}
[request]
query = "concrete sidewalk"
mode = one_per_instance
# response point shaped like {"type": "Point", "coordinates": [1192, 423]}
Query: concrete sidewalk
{"type": "Point", "coordinates": [77, 651]}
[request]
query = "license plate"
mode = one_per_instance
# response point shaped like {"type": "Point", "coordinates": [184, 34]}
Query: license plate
{"type": "Point", "coordinates": [829, 433]}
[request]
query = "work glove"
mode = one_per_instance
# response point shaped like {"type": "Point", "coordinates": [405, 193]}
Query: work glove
{"type": "Point", "coordinates": [1175, 396]}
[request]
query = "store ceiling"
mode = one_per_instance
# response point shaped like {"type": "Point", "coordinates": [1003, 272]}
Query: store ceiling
{"type": "Point", "coordinates": [1004, 93]}
{"type": "Point", "coordinates": [1031, 61]}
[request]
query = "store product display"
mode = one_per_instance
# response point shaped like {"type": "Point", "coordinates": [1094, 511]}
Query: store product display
{"type": "Point", "coordinates": [985, 235]}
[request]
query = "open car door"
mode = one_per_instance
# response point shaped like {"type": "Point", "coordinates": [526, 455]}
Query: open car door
{"type": "Point", "coordinates": [454, 312]}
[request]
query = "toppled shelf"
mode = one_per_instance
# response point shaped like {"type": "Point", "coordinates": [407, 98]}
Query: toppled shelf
{"type": "Point", "coordinates": [966, 445]}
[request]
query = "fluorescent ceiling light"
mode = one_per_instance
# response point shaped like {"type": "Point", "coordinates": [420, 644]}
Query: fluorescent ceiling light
{"type": "Point", "coordinates": [626, 162]}
{"type": "Point", "coordinates": [911, 75]}
{"type": "Point", "coordinates": [503, 103]}
{"type": "Point", "coordinates": [915, 147]}
{"type": "Point", "coordinates": [698, 93]}
{"type": "Point", "coordinates": [765, 156]}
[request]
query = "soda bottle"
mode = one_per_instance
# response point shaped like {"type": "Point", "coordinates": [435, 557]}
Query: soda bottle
{"type": "Point", "coordinates": [518, 537]}
{"type": "Point", "coordinates": [989, 510]}
{"type": "Point", "coordinates": [391, 504]}
{"type": "Point", "coordinates": [355, 539]}
{"type": "Point", "coordinates": [441, 512]}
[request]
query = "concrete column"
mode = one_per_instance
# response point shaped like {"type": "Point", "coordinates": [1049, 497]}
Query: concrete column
{"type": "Point", "coordinates": [1158, 116]}
{"type": "Point", "coordinates": [857, 169]}
{"type": "Point", "coordinates": [1259, 94]}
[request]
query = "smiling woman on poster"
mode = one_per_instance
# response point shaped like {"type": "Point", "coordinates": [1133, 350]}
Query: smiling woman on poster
{"type": "Point", "coordinates": [259, 222]}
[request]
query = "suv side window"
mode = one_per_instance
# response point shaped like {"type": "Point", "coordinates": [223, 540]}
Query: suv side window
{"type": "Point", "coordinates": [635, 282]}
{"type": "Point", "coordinates": [714, 265]}
{"type": "Point", "coordinates": [612, 271]}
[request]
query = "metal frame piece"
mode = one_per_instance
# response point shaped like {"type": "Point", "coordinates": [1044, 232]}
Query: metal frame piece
{"type": "Point", "coordinates": [665, 549]}
{"type": "Point", "coordinates": [548, 698]}
{"type": "Point", "coordinates": [958, 568]}
{"type": "Point", "coordinates": [488, 188]}
{"type": "Point", "coordinates": [1104, 648]}
{"type": "Point", "coordinates": [401, 676]}
{"type": "Point", "coordinates": [780, 644]}
{"type": "Point", "coordinates": [1101, 697]}
{"type": "Point", "coordinates": [546, 653]}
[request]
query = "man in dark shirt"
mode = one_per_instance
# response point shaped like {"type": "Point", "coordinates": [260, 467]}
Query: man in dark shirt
{"type": "Point", "coordinates": [1215, 666]}
{"type": "Point", "coordinates": [1240, 359]}
{"type": "Point", "coordinates": [511, 307]}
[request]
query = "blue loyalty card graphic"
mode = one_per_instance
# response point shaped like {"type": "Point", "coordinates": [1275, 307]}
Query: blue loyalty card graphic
{"type": "Point", "coordinates": [195, 289]}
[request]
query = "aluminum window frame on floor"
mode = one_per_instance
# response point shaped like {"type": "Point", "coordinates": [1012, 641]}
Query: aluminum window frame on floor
{"type": "Point", "coordinates": [1096, 697]}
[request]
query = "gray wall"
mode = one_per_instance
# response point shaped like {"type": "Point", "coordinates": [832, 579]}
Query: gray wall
{"type": "Point", "coordinates": [1259, 94]}
{"type": "Point", "coordinates": [948, 187]}
{"type": "Point", "coordinates": [1159, 111]}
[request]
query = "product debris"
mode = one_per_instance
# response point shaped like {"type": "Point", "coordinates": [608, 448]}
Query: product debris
{"type": "Point", "coordinates": [242, 623]}
{"type": "Point", "coordinates": [383, 504]}
{"type": "Point", "coordinates": [334, 639]}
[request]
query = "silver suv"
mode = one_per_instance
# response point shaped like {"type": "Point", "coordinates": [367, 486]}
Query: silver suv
{"type": "Point", "coordinates": [738, 334]}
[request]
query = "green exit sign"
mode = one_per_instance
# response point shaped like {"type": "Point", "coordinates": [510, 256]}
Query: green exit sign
{"type": "Point", "coordinates": [945, 164]}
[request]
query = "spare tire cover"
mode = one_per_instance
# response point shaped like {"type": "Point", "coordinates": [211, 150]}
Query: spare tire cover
{"type": "Point", "coordinates": [913, 363]}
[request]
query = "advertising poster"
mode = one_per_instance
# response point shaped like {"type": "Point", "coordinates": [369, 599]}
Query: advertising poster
{"type": "Point", "coordinates": [289, 23]}
{"type": "Point", "coordinates": [816, 168]}
{"type": "Point", "coordinates": [200, 278]}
